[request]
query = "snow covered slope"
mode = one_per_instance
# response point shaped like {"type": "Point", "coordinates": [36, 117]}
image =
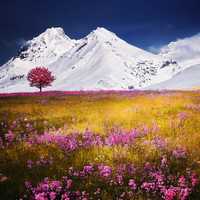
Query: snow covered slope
{"type": "Point", "coordinates": [187, 53]}
{"type": "Point", "coordinates": [40, 51]}
{"type": "Point", "coordinates": [101, 60]}
{"type": "Point", "coordinates": [187, 79]}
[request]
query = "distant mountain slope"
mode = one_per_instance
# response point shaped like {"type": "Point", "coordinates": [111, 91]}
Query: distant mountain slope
{"type": "Point", "coordinates": [187, 79]}
{"type": "Point", "coordinates": [101, 60]}
{"type": "Point", "coordinates": [185, 51]}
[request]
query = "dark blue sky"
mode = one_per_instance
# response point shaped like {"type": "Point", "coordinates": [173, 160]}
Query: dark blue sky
{"type": "Point", "coordinates": [144, 23]}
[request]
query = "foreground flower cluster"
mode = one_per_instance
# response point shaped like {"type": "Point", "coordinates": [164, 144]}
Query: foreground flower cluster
{"type": "Point", "coordinates": [160, 180]}
{"type": "Point", "coordinates": [75, 141]}
{"type": "Point", "coordinates": [122, 182]}
{"type": "Point", "coordinates": [117, 146]}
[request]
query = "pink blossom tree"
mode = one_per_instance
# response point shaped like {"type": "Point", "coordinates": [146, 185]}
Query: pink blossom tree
{"type": "Point", "coordinates": [40, 77]}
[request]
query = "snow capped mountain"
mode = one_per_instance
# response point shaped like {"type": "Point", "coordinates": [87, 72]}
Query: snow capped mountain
{"type": "Point", "coordinates": [101, 60]}
{"type": "Point", "coordinates": [47, 47]}
{"type": "Point", "coordinates": [40, 51]}
{"type": "Point", "coordinates": [187, 53]}
{"type": "Point", "coordinates": [185, 80]}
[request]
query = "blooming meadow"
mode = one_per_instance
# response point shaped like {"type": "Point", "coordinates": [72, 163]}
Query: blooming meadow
{"type": "Point", "coordinates": [100, 145]}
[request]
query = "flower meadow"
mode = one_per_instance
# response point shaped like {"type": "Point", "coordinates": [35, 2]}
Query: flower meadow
{"type": "Point", "coordinates": [100, 145]}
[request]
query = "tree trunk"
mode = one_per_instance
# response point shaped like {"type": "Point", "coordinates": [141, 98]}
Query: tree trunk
{"type": "Point", "coordinates": [40, 88]}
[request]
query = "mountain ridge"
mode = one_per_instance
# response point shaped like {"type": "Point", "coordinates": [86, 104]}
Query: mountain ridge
{"type": "Point", "coordinates": [100, 60]}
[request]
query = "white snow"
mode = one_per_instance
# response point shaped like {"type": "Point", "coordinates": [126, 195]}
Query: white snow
{"type": "Point", "coordinates": [101, 60]}
{"type": "Point", "coordinates": [187, 79]}
{"type": "Point", "coordinates": [185, 51]}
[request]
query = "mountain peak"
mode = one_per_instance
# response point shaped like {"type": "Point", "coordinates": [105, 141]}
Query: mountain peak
{"type": "Point", "coordinates": [101, 60]}
{"type": "Point", "coordinates": [50, 44]}
{"type": "Point", "coordinates": [102, 33]}
{"type": "Point", "coordinates": [52, 33]}
{"type": "Point", "coordinates": [102, 30]}
{"type": "Point", "coordinates": [54, 29]}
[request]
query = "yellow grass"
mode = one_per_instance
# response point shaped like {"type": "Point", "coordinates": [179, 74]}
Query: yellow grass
{"type": "Point", "coordinates": [101, 112]}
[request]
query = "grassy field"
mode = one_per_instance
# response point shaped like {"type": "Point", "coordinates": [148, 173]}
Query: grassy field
{"type": "Point", "coordinates": [85, 144]}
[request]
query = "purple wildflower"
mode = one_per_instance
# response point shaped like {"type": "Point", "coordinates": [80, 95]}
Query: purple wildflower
{"type": "Point", "coordinates": [69, 183]}
{"type": "Point", "coordinates": [88, 169]}
{"type": "Point", "coordinates": [132, 184]}
{"type": "Point", "coordinates": [164, 162]}
{"type": "Point", "coordinates": [28, 185]}
{"type": "Point", "coordinates": [105, 171]}
{"type": "Point", "coordinates": [55, 185]}
{"type": "Point", "coordinates": [194, 179]}
{"type": "Point", "coordinates": [170, 194]}
{"type": "Point", "coordinates": [41, 196]}
{"type": "Point", "coordinates": [184, 193]}
{"type": "Point", "coordinates": [52, 195]}
{"type": "Point", "coordinates": [182, 181]}
{"type": "Point", "coordinates": [9, 137]}
{"type": "Point", "coordinates": [179, 153]}
{"type": "Point", "coordinates": [182, 116]}
{"type": "Point", "coordinates": [148, 186]}
{"type": "Point", "coordinates": [159, 143]}
{"type": "Point", "coordinates": [119, 179]}
{"type": "Point", "coordinates": [30, 164]}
